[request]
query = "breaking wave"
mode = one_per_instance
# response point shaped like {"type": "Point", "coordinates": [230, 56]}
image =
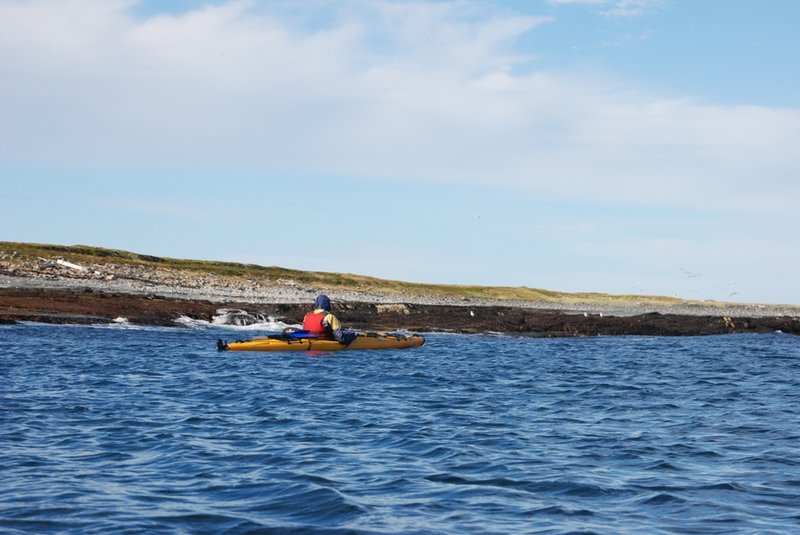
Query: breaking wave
{"type": "Point", "coordinates": [236, 319]}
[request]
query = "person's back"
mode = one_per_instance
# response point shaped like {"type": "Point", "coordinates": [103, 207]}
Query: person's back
{"type": "Point", "coordinates": [322, 324]}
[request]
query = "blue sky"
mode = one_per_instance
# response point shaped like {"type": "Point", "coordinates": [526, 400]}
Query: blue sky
{"type": "Point", "coordinates": [575, 145]}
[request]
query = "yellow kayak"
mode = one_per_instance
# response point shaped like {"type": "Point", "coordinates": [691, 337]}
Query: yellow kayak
{"type": "Point", "coordinates": [365, 340]}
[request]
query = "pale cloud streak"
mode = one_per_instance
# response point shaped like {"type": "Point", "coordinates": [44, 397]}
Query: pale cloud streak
{"type": "Point", "coordinates": [391, 91]}
{"type": "Point", "coordinates": [617, 8]}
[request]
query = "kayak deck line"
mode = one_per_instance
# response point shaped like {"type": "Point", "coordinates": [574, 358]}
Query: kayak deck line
{"type": "Point", "coordinates": [294, 342]}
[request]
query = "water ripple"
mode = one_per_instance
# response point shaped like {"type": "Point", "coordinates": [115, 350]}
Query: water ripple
{"type": "Point", "coordinates": [153, 431]}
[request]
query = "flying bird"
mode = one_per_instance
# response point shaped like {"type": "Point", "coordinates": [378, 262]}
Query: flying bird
{"type": "Point", "coordinates": [690, 274]}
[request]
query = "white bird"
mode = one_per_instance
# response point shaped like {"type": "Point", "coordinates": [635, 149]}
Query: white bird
{"type": "Point", "coordinates": [690, 274]}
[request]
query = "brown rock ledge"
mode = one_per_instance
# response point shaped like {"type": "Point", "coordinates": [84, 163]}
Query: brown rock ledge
{"type": "Point", "coordinates": [91, 306]}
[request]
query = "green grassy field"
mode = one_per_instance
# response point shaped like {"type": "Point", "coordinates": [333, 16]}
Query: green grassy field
{"type": "Point", "coordinates": [83, 254]}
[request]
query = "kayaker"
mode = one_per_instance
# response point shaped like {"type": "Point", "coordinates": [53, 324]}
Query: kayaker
{"type": "Point", "coordinates": [323, 324]}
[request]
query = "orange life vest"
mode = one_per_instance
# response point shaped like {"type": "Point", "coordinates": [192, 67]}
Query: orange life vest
{"type": "Point", "coordinates": [313, 324]}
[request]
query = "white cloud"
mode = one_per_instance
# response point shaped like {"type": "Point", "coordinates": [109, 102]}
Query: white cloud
{"type": "Point", "coordinates": [618, 8]}
{"type": "Point", "coordinates": [580, 2]}
{"type": "Point", "coordinates": [633, 8]}
{"type": "Point", "coordinates": [419, 91]}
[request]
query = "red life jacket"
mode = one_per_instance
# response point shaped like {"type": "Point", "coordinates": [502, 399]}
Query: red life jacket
{"type": "Point", "coordinates": [313, 324]}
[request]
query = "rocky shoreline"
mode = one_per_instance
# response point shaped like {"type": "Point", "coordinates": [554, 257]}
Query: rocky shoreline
{"type": "Point", "coordinates": [57, 291]}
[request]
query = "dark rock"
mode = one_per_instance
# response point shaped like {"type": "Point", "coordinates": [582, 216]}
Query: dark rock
{"type": "Point", "coordinates": [64, 306]}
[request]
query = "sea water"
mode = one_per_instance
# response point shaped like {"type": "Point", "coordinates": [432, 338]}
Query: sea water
{"type": "Point", "coordinates": [118, 429]}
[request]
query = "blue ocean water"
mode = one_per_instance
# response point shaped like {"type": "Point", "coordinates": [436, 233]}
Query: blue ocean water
{"type": "Point", "coordinates": [116, 429]}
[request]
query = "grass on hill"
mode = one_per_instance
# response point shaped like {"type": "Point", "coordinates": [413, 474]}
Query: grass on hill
{"type": "Point", "coordinates": [84, 254]}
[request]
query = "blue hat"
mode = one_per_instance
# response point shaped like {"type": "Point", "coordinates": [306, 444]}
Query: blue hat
{"type": "Point", "coordinates": [323, 302]}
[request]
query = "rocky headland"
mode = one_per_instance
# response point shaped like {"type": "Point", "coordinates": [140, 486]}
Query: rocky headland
{"type": "Point", "coordinates": [57, 290]}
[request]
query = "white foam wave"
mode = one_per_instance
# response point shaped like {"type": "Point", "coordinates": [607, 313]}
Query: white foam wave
{"type": "Point", "coordinates": [122, 323]}
{"type": "Point", "coordinates": [114, 325]}
{"type": "Point", "coordinates": [237, 320]}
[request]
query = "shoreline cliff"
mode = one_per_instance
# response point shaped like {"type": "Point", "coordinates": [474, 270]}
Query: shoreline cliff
{"type": "Point", "coordinates": [90, 305]}
{"type": "Point", "coordinates": [55, 289]}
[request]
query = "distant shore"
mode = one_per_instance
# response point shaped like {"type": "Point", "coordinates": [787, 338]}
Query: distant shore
{"type": "Point", "coordinates": [64, 295]}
